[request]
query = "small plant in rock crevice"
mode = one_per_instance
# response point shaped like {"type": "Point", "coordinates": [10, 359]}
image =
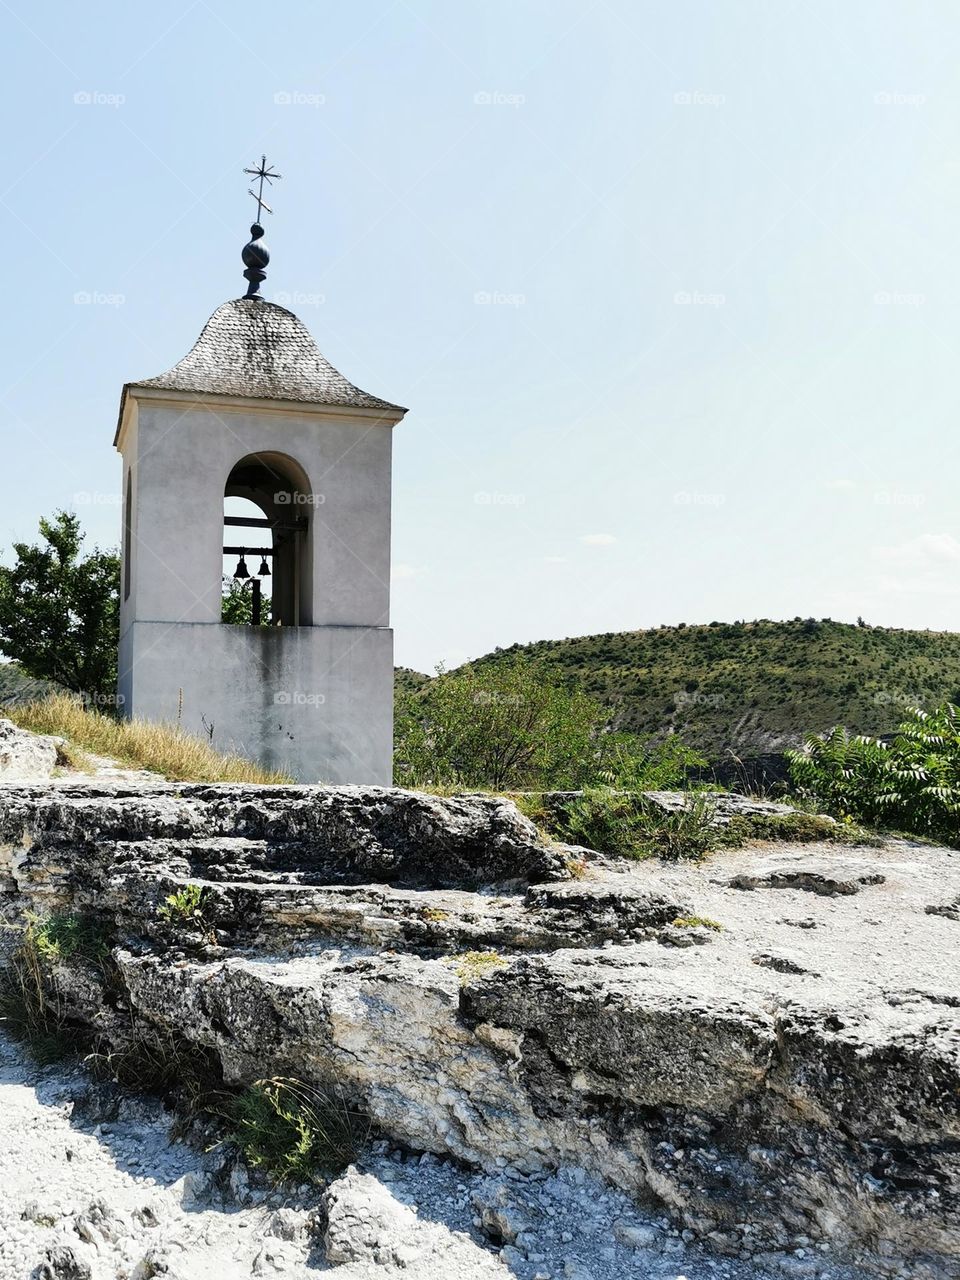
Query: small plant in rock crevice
{"type": "Point", "coordinates": [475, 964]}
{"type": "Point", "coordinates": [32, 1006]}
{"type": "Point", "coordinates": [189, 906]}
{"type": "Point", "coordinates": [697, 922]}
{"type": "Point", "coordinates": [294, 1132]}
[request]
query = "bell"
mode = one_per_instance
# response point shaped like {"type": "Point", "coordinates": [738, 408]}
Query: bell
{"type": "Point", "coordinates": [242, 571]}
{"type": "Point", "coordinates": [264, 570]}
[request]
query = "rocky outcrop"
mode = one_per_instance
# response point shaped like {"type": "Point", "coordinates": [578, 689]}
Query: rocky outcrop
{"type": "Point", "coordinates": [485, 996]}
{"type": "Point", "coordinates": [26, 756]}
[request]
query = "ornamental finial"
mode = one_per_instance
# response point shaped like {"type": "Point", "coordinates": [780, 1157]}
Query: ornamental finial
{"type": "Point", "coordinates": [256, 255]}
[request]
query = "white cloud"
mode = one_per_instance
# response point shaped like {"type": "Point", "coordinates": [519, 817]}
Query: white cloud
{"type": "Point", "coordinates": [840, 483]}
{"type": "Point", "coordinates": [598, 539]}
{"type": "Point", "coordinates": [923, 552]}
{"type": "Point", "coordinates": [926, 565]}
{"type": "Point", "coordinates": [555, 559]}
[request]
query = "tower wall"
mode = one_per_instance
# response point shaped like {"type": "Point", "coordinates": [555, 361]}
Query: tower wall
{"type": "Point", "coordinates": [315, 700]}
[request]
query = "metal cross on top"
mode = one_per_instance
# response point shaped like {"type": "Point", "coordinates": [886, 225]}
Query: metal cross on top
{"type": "Point", "coordinates": [265, 174]}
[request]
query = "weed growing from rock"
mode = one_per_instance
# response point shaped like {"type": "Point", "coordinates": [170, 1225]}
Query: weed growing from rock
{"type": "Point", "coordinates": [187, 906]}
{"type": "Point", "coordinates": [294, 1132]}
{"type": "Point", "coordinates": [697, 922]}
{"type": "Point", "coordinates": [474, 964]}
{"type": "Point", "coordinates": [31, 1001]}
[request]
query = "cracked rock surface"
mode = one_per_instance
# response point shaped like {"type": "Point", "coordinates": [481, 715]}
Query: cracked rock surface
{"type": "Point", "coordinates": [791, 1075]}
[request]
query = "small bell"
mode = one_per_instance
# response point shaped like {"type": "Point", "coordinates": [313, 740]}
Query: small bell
{"type": "Point", "coordinates": [264, 570]}
{"type": "Point", "coordinates": [242, 571]}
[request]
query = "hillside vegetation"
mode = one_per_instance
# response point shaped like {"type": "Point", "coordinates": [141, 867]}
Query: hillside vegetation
{"type": "Point", "coordinates": [752, 687]}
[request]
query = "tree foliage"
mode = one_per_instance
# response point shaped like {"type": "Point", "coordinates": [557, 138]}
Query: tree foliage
{"type": "Point", "coordinates": [910, 783]}
{"type": "Point", "coordinates": [506, 726]}
{"type": "Point", "coordinates": [60, 610]}
{"type": "Point", "coordinates": [518, 725]}
{"type": "Point", "coordinates": [236, 604]}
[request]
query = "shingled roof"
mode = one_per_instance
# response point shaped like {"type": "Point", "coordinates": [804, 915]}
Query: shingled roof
{"type": "Point", "coordinates": [249, 347]}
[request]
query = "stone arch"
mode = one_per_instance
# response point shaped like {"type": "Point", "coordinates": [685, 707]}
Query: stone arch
{"type": "Point", "coordinates": [279, 486]}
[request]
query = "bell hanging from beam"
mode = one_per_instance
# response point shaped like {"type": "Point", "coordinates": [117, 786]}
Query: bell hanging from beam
{"type": "Point", "coordinates": [242, 571]}
{"type": "Point", "coordinates": [264, 570]}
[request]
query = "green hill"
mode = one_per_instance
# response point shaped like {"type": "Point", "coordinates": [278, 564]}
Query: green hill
{"type": "Point", "coordinates": [16, 687]}
{"type": "Point", "coordinates": [753, 687]}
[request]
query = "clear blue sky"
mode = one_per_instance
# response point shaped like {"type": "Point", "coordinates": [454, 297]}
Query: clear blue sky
{"type": "Point", "coordinates": [718, 373]}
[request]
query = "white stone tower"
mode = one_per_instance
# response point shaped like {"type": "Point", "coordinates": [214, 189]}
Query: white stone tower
{"type": "Point", "coordinates": [256, 411]}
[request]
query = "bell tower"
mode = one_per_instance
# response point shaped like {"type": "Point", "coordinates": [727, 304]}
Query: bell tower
{"type": "Point", "coordinates": [255, 411]}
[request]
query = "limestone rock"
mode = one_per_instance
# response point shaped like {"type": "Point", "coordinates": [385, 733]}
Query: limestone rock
{"type": "Point", "coordinates": [435, 957]}
{"type": "Point", "coordinates": [26, 756]}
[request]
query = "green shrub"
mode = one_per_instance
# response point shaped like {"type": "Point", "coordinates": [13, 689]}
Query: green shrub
{"type": "Point", "coordinates": [63, 936]}
{"type": "Point", "coordinates": [505, 726]}
{"type": "Point", "coordinates": [294, 1132]}
{"type": "Point", "coordinates": [802, 828]}
{"type": "Point", "coordinates": [909, 784]}
{"type": "Point", "coordinates": [31, 1003]}
{"type": "Point", "coordinates": [628, 763]}
{"type": "Point", "coordinates": [187, 906]}
{"type": "Point", "coordinates": [627, 824]}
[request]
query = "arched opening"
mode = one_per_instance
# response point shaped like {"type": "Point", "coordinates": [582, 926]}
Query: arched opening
{"type": "Point", "coordinates": [266, 543]}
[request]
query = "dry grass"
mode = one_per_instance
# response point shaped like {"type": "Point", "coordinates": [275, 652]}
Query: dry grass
{"type": "Point", "coordinates": [160, 748]}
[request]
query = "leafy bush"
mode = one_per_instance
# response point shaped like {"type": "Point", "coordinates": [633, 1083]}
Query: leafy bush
{"type": "Point", "coordinates": [627, 824]}
{"type": "Point", "coordinates": [31, 1004]}
{"type": "Point", "coordinates": [294, 1132]}
{"type": "Point", "coordinates": [511, 725]}
{"type": "Point", "coordinates": [631, 764]}
{"type": "Point", "coordinates": [514, 725]}
{"type": "Point", "coordinates": [62, 936]}
{"type": "Point", "coordinates": [910, 784]}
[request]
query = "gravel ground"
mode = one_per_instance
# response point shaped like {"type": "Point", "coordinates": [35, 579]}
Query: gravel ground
{"type": "Point", "coordinates": [94, 1189]}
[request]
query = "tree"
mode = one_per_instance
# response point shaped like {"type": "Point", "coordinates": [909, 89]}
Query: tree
{"type": "Point", "coordinates": [60, 611]}
{"type": "Point", "coordinates": [236, 604]}
{"type": "Point", "coordinates": [499, 725]}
